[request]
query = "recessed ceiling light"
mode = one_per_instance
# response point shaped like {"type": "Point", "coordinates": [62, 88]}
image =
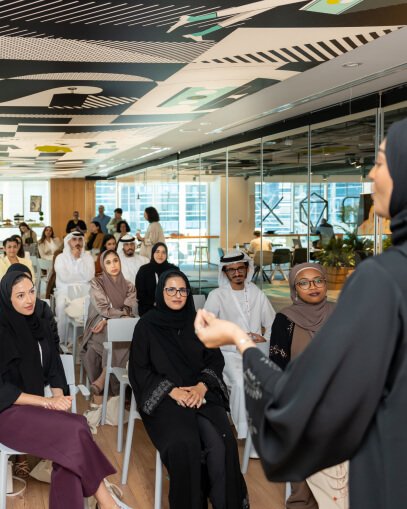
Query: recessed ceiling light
{"type": "Point", "coordinates": [350, 65]}
{"type": "Point", "coordinates": [189, 130]}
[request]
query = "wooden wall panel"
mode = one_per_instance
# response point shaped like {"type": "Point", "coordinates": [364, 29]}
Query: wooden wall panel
{"type": "Point", "coordinates": [68, 195]}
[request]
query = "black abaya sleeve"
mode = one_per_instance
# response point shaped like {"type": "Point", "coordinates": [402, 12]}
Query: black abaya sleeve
{"type": "Point", "coordinates": [48, 315]}
{"type": "Point", "coordinates": [145, 294]}
{"type": "Point", "coordinates": [149, 387]}
{"type": "Point", "coordinates": [280, 340]}
{"type": "Point", "coordinates": [316, 413]}
{"type": "Point", "coordinates": [211, 375]}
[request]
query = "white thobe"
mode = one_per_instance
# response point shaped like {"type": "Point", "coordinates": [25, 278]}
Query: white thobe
{"type": "Point", "coordinates": [252, 311]}
{"type": "Point", "coordinates": [131, 264]}
{"type": "Point", "coordinates": [69, 272]}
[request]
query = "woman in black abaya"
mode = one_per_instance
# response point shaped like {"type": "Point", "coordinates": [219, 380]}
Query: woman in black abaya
{"type": "Point", "coordinates": [345, 396]}
{"type": "Point", "coordinates": [182, 399]}
{"type": "Point", "coordinates": [148, 274]}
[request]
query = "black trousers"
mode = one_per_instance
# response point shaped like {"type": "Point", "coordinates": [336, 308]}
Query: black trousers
{"type": "Point", "coordinates": [214, 450]}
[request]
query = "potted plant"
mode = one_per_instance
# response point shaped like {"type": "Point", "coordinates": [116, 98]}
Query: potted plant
{"type": "Point", "coordinates": [341, 255]}
{"type": "Point", "coordinates": [339, 260]}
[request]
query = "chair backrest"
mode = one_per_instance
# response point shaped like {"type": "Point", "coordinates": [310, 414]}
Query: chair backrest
{"type": "Point", "coordinates": [69, 368]}
{"type": "Point", "coordinates": [267, 258]}
{"type": "Point", "coordinates": [44, 264]}
{"type": "Point", "coordinates": [221, 252]}
{"type": "Point", "coordinates": [121, 329]}
{"type": "Point", "coordinates": [199, 301]}
{"type": "Point", "coordinates": [282, 255]}
{"type": "Point", "coordinates": [299, 255]}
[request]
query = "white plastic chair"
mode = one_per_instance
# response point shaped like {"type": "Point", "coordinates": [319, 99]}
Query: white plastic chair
{"type": "Point", "coordinates": [119, 330]}
{"type": "Point", "coordinates": [41, 265]}
{"type": "Point", "coordinates": [133, 415]}
{"type": "Point", "coordinates": [69, 368]}
{"type": "Point", "coordinates": [199, 301]}
{"type": "Point", "coordinates": [6, 452]}
{"type": "Point", "coordinates": [77, 324]}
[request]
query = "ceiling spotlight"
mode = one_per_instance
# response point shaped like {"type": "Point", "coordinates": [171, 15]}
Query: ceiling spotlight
{"type": "Point", "coordinates": [351, 65]}
{"type": "Point", "coordinates": [324, 178]}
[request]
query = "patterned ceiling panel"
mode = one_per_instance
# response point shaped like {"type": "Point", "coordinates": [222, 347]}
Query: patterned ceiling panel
{"type": "Point", "coordinates": [101, 77]}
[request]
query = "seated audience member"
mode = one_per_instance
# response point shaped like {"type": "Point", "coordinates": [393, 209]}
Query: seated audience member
{"type": "Point", "coordinates": [48, 244]}
{"type": "Point", "coordinates": [147, 277]}
{"type": "Point", "coordinates": [72, 267]}
{"type": "Point", "coordinates": [130, 260]}
{"type": "Point", "coordinates": [42, 309]}
{"type": "Point", "coordinates": [111, 296]}
{"type": "Point", "coordinates": [102, 219]}
{"type": "Point", "coordinates": [239, 300]}
{"type": "Point", "coordinates": [153, 234]}
{"type": "Point", "coordinates": [10, 257]}
{"type": "Point", "coordinates": [94, 237]}
{"type": "Point", "coordinates": [259, 243]}
{"type": "Point", "coordinates": [183, 402]}
{"type": "Point", "coordinates": [21, 253]}
{"type": "Point", "coordinates": [122, 229]}
{"type": "Point", "coordinates": [75, 224]}
{"type": "Point", "coordinates": [33, 423]}
{"type": "Point", "coordinates": [28, 236]}
{"type": "Point", "coordinates": [292, 331]}
{"type": "Point", "coordinates": [111, 227]}
{"type": "Point", "coordinates": [109, 243]}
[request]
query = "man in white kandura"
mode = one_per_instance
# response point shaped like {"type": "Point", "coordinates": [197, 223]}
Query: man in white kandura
{"type": "Point", "coordinates": [131, 262]}
{"type": "Point", "coordinates": [74, 267]}
{"type": "Point", "coordinates": [240, 301]}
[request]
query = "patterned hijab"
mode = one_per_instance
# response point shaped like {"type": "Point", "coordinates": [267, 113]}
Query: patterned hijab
{"type": "Point", "coordinates": [308, 316]}
{"type": "Point", "coordinates": [116, 289]}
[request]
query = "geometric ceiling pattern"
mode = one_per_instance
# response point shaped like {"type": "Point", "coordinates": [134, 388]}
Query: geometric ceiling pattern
{"type": "Point", "coordinates": [83, 81]}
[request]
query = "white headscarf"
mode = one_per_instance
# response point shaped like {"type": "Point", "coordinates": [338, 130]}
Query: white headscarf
{"type": "Point", "coordinates": [125, 238]}
{"type": "Point", "coordinates": [67, 247]}
{"type": "Point", "coordinates": [230, 258]}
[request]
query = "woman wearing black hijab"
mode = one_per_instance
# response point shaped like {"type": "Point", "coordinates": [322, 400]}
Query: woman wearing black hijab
{"type": "Point", "coordinates": [35, 424]}
{"type": "Point", "coordinates": [182, 400]}
{"type": "Point", "coordinates": [148, 274]}
{"type": "Point", "coordinates": [345, 396]}
{"type": "Point", "coordinates": [42, 309]}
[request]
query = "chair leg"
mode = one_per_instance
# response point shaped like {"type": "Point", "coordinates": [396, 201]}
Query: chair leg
{"type": "Point", "coordinates": [246, 453]}
{"type": "Point", "coordinates": [105, 395]}
{"type": "Point", "coordinates": [255, 274]}
{"type": "Point", "coordinates": [3, 480]}
{"type": "Point", "coordinates": [74, 337]}
{"type": "Point", "coordinates": [158, 481]}
{"type": "Point", "coordinates": [287, 490]}
{"type": "Point", "coordinates": [122, 403]}
{"type": "Point", "coordinates": [129, 440]}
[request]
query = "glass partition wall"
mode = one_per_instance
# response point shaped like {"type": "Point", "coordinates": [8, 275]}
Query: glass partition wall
{"type": "Point", "coordinates": [290, 193]}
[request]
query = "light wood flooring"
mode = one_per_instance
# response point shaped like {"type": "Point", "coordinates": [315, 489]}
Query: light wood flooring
{"type": "Point", "coordinates": [139, 491]}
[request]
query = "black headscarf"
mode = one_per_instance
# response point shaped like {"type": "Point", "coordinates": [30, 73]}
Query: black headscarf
{"type": "Point", "coordinates": [159, 268]}
{"type": "Point", "coordinates": [165, 317]}
{"type": "Point", "coordinates": [19, 267]}
{"type": "Point", "coordinates": [396, 157]}
{"type": "Point", "coordinates": [25, 331]}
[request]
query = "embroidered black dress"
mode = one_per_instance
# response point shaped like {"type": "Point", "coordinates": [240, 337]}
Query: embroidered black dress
{"type": "Point", "coordinates": [163, 357]}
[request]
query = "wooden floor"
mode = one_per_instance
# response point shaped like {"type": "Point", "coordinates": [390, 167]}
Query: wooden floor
{"type": "Point", "coordinates": [139, 492]}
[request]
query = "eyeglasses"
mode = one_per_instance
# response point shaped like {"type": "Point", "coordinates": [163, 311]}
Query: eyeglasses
{"type": "Point", "coordinates": [172, 291]}
{"type": "Point", "coordinates": [305, 284]}
{"type": "Point", "coordinates": [239, 270]}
